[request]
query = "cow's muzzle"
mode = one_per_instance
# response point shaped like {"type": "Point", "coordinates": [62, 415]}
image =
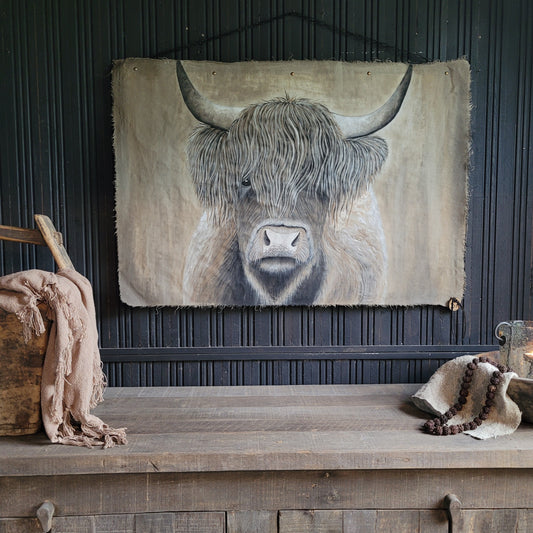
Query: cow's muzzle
{"type": "Point", "coordinates": [279, 247]}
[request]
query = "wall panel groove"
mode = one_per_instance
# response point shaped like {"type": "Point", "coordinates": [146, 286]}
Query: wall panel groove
{"type": "Point", "coordinates": [56, 157]}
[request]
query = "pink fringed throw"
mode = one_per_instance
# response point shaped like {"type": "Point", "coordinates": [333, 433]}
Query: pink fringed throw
{"type": "Point", "coordinates": [73, 381]}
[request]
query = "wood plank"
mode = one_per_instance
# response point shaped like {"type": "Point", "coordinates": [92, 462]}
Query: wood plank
{"type": "Point", "coordinates": [268, 491]}
{"type": "Point", "coordinates": [364, 521]}
{"type": "Point", "coordinates": [408, 521]}
{"type": "Point", "coordinates": [191, 430]}
{"type": "Point", "coordinates": [210, 522]}
{"type": "Point", "coordinates": [525, 521]}
{"type": "Point", "coordinates": [20, 525]}
{"type": "Point", "coordinates": [434, 521]}
{"type": "Point", "coordinates": [402, 521]}
{"type": "Point", "coordinates": [360, 520]}
{"type": "Point", "coordinates": [520, 390]}
{"type": "Point", "coordinates": [155, 523]}
{"type": "Point", "coordinates": [20, 375]}
{"type": "Point", "coordinates": [54, 240]}
{"type": "Point", "coordinates": [22, 235]}
{"type": "Point", "coordinates": [252, 522]}
{"type": "Point", "coordinates": [93, 524]}
{"type": "Point", "coordinates": [45, 235]}
{"type": "Point", "coordinates": [311, 521]}
{"type": "Point", "coordinates": [259, 391]}
{"type": "Point", "coordinates": [501, 520]}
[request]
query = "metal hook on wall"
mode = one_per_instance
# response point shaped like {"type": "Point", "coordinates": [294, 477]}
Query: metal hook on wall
{"type": "Point", "coordinates": [499, 334]}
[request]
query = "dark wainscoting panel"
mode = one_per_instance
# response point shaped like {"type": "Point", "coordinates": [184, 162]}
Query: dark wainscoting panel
{"type": "Point", "coordinates": [277, 365]}
{"type": "Point", "coordinates": [56, 158]}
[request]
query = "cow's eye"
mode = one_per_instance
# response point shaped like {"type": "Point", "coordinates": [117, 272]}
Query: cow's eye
{"type": "Point", "coordinates": [246, 182]}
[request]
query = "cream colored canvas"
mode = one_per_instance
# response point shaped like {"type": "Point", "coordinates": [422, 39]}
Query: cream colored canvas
{"type": "Point", "coordinates": [290, 183]}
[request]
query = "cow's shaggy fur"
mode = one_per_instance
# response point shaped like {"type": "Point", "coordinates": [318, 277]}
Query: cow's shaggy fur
{"type": "Point", "coordinates": [286, 160]}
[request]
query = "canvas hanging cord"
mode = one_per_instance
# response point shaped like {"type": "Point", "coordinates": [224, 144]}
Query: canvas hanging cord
{"type": "Point", "coordinates": [73, 381]}
{"type": "Point", "coordinates": [440, 393]}
{"type": "Point", "coordinates": [386, 48]}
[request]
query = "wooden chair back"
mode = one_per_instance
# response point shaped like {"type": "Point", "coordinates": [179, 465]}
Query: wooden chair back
{"type": "Point", "coordinates": [45, 235]}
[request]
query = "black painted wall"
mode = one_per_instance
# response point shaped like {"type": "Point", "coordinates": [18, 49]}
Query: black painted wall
{"type": "Point", "coordinates": [56, 158]}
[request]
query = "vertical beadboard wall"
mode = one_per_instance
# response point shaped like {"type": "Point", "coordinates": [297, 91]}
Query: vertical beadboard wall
{"type": "Point", "coordinates": [56, 158]}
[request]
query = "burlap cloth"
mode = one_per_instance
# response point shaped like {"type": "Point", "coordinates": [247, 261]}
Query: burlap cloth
{"type": "Point", "coordinates": [152, 126]}
{"type": "Point", "coordinates": [73, 381]}
{"type": "Point", "coordinates": [442, 390]}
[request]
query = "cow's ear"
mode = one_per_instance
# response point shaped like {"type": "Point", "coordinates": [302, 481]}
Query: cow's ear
{"type": "Point", "coordinates": [355, 166]}
{"type": "Point", "coordinates": [209, 168]}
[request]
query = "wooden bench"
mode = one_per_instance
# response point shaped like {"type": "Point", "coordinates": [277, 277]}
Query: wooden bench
{"type": "Point", "coordinates": [298, 459]}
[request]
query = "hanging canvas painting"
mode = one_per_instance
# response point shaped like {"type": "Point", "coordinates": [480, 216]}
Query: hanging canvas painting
{"type": "Point", "coordinates": [290, 183]}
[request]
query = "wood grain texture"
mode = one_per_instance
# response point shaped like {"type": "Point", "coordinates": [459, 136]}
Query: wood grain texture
{"type": "Point", "coordinates": [24, 235]}
{"type": "Point", "coordinates": [20, 376]}
{"type": "Point", "coordinates": [501, 520]}
{"type": "Point", "coordinates": [252, 522]}
{"type": "Point", "coordinates": [230, 459]}
{"type": "Point", "coordinates": [213, 522]}
{"type": "Point", "coordinates": [367, 521]}
{"type": "Point", "coordinates": [20, 525]}
{"type": "Point", "coordinates": [210, 522]}
{"type": "Point", "coordinates": [223, 429]}
{"type": "Point", "coordinates": [521, 391]}
{"type": "Point", "coordinates": [268, 491]}
{"type": "Point", "coordinates": [54, 241]}
{"type": "Point", "coordinates": [45, 235]}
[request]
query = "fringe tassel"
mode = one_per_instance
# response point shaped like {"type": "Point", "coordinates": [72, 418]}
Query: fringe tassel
{"type": "Point", "coordinates": [89, 434]}
{"type": "Point", "coordinates": [31, 320]}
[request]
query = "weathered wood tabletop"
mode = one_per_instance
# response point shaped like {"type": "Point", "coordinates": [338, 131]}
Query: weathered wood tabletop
{"type": "Point", "coordinates": [219, 429]}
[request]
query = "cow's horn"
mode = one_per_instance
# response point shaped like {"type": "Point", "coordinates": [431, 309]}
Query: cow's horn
{"type": "Point", "coordinates": [204, 110]}
{"type": "Point", "coordinates": [367, 124]}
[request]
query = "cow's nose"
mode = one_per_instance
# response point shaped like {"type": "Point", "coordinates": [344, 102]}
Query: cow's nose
{"type": "Point", "coordinates": [282, 242]}
{"type": "Point", "coordinates": [279, 248]}
{"type": "Point", "coordinates": [276, 239]}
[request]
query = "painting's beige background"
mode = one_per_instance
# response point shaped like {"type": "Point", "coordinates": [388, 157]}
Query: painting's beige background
{"type": "Point", "coordinates": [422, 188]}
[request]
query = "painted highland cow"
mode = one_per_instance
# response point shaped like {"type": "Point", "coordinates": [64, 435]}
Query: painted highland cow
{"type": "Point", "coordinates": [290, 213]}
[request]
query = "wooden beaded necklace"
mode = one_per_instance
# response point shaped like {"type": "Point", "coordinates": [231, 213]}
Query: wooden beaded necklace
{"type": "Point", "coordinates": [438, 425]}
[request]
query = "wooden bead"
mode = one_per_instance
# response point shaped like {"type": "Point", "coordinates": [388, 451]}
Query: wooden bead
{"type": "Point", "coordinates": [438, 426]}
